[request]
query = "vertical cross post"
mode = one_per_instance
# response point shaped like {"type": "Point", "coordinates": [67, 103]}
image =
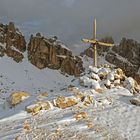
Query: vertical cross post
{"type": "Point", "coordinates": [95, 42]}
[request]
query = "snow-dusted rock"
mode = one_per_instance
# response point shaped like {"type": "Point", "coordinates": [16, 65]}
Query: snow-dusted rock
{"type": "Point", "coordinates": [17, 97]}
{"type": "Point", "coordinates": [102, 75]}
{"type": "Point", "coordinates": [110, 76]}
{"type": "Point", "coordinates": [85, 81]}
{"type": "Point", "coordinates": [104, 70]}
{"type": "Point", "coordinates": [105, 102]}
{"type": "Point", "coordinates": [35, 108]}
{"type": "Point", "coordinates": [63, 102]}
{"type": "Point", "coordinates": [44, 94]}
{"type": "Point", "coordinates": [107, 83]}
{"type": "Point", "coordinates": [116, 76]}
{"type": "Point", "coordinates": [92, 91]}
{"type": "Point", "coordinates": [93, 69]}
{"type": "Point", "coordinates": [80, 96]}
{"type": "Point", "coordinates": [46, 105]}
{"type": "Point", "coordinates": [99, 90]}
{"type": "Point", "coordinates": [131, 85]}
{"type": "Point", "coordinates": [73, 89]}
{"type": "Point", "coordinates": [95, 76]}
{"type": "Point", "coordinates": [88, 100]}
{"type": "Point", "coordinates": [117, 82]}
{"type": "Point", "coordinates": [95, 84]}
{"type": "Point", "coordinates": [80, 116]}
{"type": "Point", "coordinates": [107, 65]}
{"type": "Point", "coordinates": [26, 128]}
{"type": "Point", "coordinates": [120, 72]}
{"type": "Point", "coordinates": [135, 101]}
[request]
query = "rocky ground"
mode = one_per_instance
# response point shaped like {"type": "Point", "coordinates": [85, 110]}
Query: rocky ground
{"type": "Point", "coordinates": [98, 105]}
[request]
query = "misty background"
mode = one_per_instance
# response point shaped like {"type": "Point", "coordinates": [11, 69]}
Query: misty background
{"type": "Point", "coordinates": [72, 20]}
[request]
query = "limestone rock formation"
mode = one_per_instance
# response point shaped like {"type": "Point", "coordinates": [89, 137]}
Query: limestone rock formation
{"type": "Point", "coordinates": [12, 42]}
{"type": "Point", "coordinates": [42, 52]}
{"type": "Point", "coordinates": [126, 55]}
{"type": "Point", "coordinates": [72, 65]}
{"type": "Point", "coordinates": [51, 53]}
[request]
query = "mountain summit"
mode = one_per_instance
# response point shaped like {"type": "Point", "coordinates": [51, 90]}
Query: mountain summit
{"type": "Point", "coordinates": [126, 55]}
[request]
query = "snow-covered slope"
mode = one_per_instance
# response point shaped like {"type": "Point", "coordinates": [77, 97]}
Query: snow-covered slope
{"type": "Point", "coordinates": [108, 113]}
{"type": "Point", "coordinates": [25, 77]}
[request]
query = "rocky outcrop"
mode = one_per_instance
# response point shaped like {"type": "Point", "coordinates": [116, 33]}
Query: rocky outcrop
{"type": "Point", "coordinates": [51, 53]}
{"type": "Point", "coordinates": [42, 52]}
{"type": "Point", "coordinates": [17, 56]}
{"type": "Point", "coordinates": [130, 50]}
{"type": "Point", "coordinates": [12, 42]}
{"type": "Point", "coordinates": [126, 55]}
{"type": "Point", "coordinates": [127, 67]}
{"type": "Point", "coordinates": [72, 65]}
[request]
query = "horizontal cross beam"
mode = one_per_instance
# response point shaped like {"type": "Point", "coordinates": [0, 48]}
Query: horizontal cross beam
{"type": "Point", "coordinates": [97, 42]}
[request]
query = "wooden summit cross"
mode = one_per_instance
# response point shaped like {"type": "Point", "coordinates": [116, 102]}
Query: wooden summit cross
{"type": "Point", "coordinates": [95, 42]}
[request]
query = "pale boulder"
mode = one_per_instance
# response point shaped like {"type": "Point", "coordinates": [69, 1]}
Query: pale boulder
{"type": "Point", "coordinates": [35, 108]}
{"type": "Point", "coordinates": [17, 97]}
{"type": "Point", "coordinates": [64, 102]}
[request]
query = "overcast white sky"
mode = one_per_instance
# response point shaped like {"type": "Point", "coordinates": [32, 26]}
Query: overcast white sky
{"type": "Point", "coordinates": [71, 20]}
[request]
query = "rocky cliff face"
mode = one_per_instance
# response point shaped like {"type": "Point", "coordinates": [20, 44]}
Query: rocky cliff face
{"type": "Point", "coordinates": [126, 55]}
{"type": "Point", "coordinates": [51, 53]}
{"type": "Point", "coordinates": [13, 40]}
{"type": "Point", "coordinates": [42, 52]}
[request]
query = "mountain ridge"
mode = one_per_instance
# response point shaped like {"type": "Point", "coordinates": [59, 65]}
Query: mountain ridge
{"type": "Point", "coordinates": [50, 52]}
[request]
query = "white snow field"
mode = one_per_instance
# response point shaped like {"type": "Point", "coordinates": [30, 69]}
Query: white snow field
{"type": "Point", "coordinates": [109, 116]}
